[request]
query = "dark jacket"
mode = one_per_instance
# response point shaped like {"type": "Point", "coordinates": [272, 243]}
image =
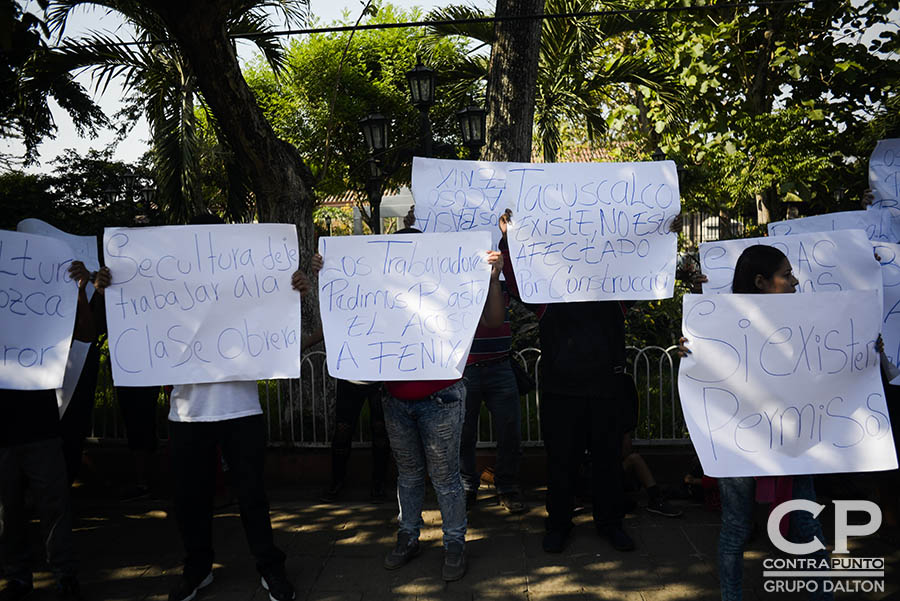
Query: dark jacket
{"type": "Point", "coordinates": [582, 343]}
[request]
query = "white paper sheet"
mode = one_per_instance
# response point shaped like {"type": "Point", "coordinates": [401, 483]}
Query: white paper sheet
{"type": "Point", "coordinates": [74, 366]}
{"type": "Point", "coordinates": [37, 304]}
{"type": "Point", "coordinates": [782, 384]}
{"type": "Point", "coordinates": [822, 262]}
{"type": "Point", "coordinates": [402, 307]}
{"type": "Point", "coordinates": [580, 231]}
{"type": "Point", "coordinates": [202, 303]}
{"type": "Point", "coordinates": [884, 171]}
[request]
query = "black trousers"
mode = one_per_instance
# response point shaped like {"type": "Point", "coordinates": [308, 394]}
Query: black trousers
{"type": "Point", "coordinates": [243, 445]}
{"type": "Point", "coordinates": [348, 405]}
{"type": "Point", "coordinates": [75, 424]}
{"type": "Point", "coordinates": [40, 466]}
{"type": "Point", "coordinates": [570, 425]}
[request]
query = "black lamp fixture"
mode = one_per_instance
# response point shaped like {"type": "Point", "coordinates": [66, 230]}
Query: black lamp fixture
{"type": "Point", "coordinates": [374, 128]}
{"type": "Point", "coordinates": [129, 179]}
{"type": "Point", "coordinates": [110, 195]}
{"type": "Point", "coordinates": [658, 154]}
{"type": "Point", "coordinates": [328, 223]}
{"type": "Point", "coordinates": [421, 86]}
{"type": "Point", "coordinates": [472, 126]}
{"type": "Point", "coordinates": [148, 194]}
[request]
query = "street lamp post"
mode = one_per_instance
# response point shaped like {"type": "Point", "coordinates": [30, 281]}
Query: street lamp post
{"type": "Point", "coordinates": [421, 93]}
{"type": "Point", "coordinates": [375, 131]}
{"type": "Point", "coordinates": [472, 128]}
{"type": "Point", "coordinates": [328, 223]}
{"type": "Point", "coordinates": [129, 193]}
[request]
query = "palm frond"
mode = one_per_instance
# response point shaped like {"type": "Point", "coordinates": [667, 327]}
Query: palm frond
{"type": "Point", "coordinates": [482, 32]}
{"type": "Point", "coordinates": [253, 23]}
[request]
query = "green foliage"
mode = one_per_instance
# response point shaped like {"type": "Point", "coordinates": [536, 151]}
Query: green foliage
{"type": "Point", "coordinates": [371, 78]}
{"type": "Point", "coordinates": [72, 197]}
{"type": "Point", "coordinates": [582, 65]}
{"type": "Point", "coordinates": [782, 100]}
{"type": "Point", "coordinates": [161, 86]}
{"type": "Point", "coordinates": [27, 83]}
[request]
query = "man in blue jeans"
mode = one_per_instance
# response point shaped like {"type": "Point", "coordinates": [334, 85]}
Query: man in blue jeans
{"type": "Point", "coordinates": [424, 423]}
{"type": "Point", "coordinates": [489, 377]}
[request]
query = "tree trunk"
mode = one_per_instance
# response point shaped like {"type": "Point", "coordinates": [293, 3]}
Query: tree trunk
{"type": "Point", "coordinates": [280, 180]}
{"type": "Point", "coordinates": [512, 82]}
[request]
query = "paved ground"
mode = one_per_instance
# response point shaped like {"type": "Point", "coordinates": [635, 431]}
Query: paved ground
{"type": "Point", "coordinates": [132, 550]}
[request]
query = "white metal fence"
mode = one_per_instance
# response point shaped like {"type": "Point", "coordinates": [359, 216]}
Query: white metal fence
{"type": "Point", "coordinates": [300, 412]}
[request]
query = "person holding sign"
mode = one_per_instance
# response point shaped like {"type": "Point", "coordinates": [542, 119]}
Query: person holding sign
{"type": "Point", "coordinates": [31, 456]}
{"type": "Point", "coordinates": [760, 269]}
{"type": "Point", "coordinates": [203, 416]}
{"type": "Point", "coordinates": [583, 351]}
{"type": "Point", "coordinates": [424, 420]}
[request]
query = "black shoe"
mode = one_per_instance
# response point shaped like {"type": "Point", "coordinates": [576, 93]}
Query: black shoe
{"type": "Point", "coordinates": [405, 549]}
{"type": "Point", "coordinates": [617, 537]}
{"type": "Point", "coordinates": [555, 540]}
{"type": "Point", "coordinates": [16, 589]}
{"type": "Point", "coordinates": [332, 493]}
{"type": "Point", "coordinates": [377, 493]}
{"type": "Point", "coordinates": [454, 562]}
{"type": "Point", "coordinates": [187, 589]}
{"type": "Point", "coordinates": [68, 588]}
{"type": "Point", "coordinates": [663, 508]}
{"type": "Point", "coordinates": [512, 502]}
{"type": "Point", "coordinates": [279, 587]}
{"type": "Point", "coordinates": [471, 499]}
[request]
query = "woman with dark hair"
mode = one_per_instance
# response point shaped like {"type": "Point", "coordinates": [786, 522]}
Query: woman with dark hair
{"type": "Point", "coordinates": [760, 269]}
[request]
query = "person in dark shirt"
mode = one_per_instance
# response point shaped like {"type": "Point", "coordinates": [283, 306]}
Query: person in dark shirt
{"type": "Point", "coordinates": [31, 456]}
{"type": "Point", "coordinates": [582, 351]}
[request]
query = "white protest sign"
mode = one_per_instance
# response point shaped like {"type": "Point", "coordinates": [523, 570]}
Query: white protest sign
{"type": "Point", "coordinates": [84, 248]}
{"type": "Point", "coordinates": [822, 262]}
{"type": "Point", "coordinates": [402, 307]}
{"type": "Point", "coordinates": [780, 384]}
{"type": "Point", "coordinates": [38, 302]}
{"type": "Point", "coordinates": [580, 231]}
{"type": "Point", "coordinates": [880, 222]}
{"type": "Point", "coordinates": [889, 256]}
{"type": "Point", "coordinates": [462, 196]}
{"type": "Point", "coordinates": [829, 222]}
{"type": "Point", "coordinates": [887, 218]}
{"type": "Point", "coordinates": [202, 303]}
{"type": "Point", "coordinates": [74, 366]}
{"type": "Point", "coordinates": [884, 170]}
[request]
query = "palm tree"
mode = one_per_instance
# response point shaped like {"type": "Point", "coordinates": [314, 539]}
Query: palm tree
{"type": "Point", "coordinates": [584, 65]}
{"type": "Point", "coordinates": [161, 86]}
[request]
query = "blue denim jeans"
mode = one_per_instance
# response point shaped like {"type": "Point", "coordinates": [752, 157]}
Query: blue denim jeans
{"type": "Point", "coordinates": [425, 434]}
{"type": "Point", "coordinates": [495, 384]}
{"type": "Point", "coordinates": [738, 498]}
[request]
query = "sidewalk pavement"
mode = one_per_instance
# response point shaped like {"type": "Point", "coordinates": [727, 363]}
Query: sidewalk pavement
{"type": "Point", "coordinates": [335, 552]}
